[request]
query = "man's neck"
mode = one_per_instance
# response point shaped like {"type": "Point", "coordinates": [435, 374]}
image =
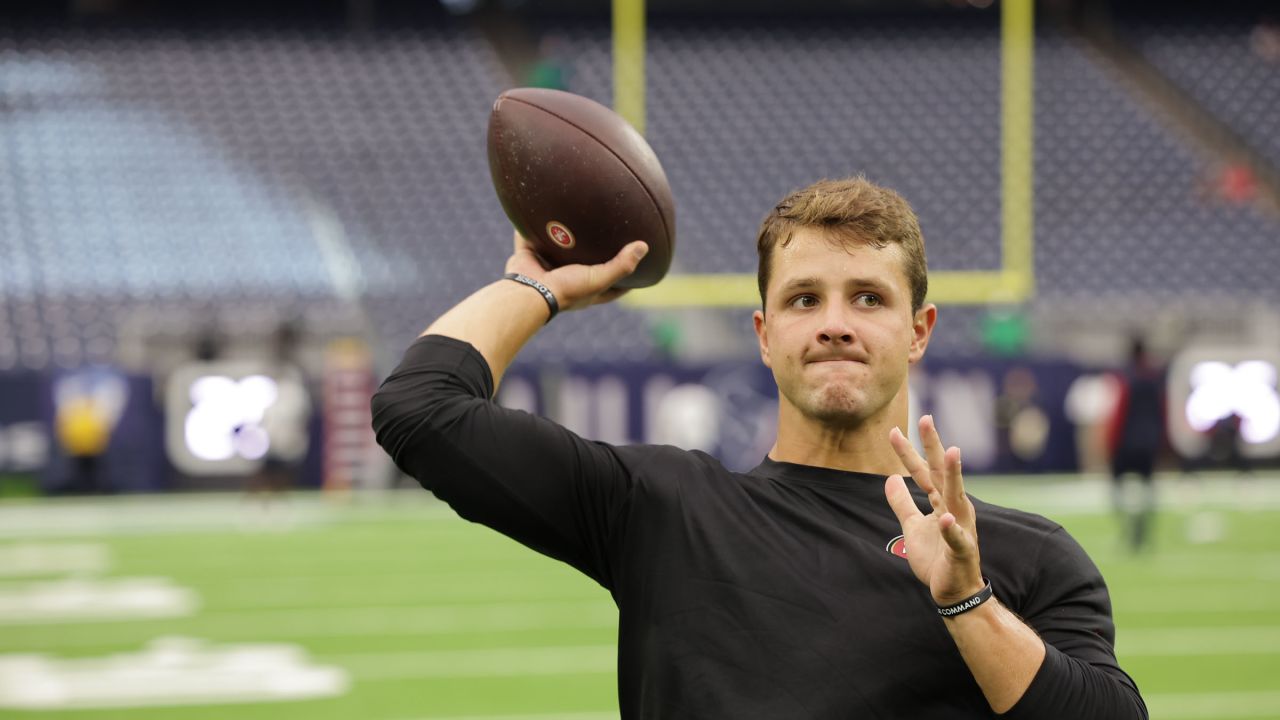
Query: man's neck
{"type": "Point", "coordinates": [860, 448]}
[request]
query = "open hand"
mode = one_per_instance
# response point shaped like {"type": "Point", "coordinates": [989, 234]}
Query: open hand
{"type": "Point", "coordinates": [578, 286]}
{"type": "Point", "coordinates": [942, 547]}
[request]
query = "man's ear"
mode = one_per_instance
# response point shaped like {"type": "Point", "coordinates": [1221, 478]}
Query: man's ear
{"type": "Point", "coordinates": [757, 318]}
{"type": "Point", "coordinates": [921, 330]}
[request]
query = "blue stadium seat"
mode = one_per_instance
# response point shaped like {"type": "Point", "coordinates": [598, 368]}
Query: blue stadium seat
{"type": "Point", "coordinates": [148, 171]}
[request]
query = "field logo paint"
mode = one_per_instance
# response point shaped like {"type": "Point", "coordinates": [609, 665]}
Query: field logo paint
{"type": "Point", "coordinates": [81, 600]}
{"type": "Point", "coordinates": [560, 235]}
{"type": "Point", "coordinates": [169, 671]}
{"type": "Point", "coordinates": [34, 559]}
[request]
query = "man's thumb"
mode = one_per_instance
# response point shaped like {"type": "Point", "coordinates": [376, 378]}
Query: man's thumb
{"type": "Point", "coordinates": [627, 259]}
{"type": "Point", "coordinates": [638, 249]}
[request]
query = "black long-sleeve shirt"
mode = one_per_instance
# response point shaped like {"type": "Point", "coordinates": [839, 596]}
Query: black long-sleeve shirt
{"type": "Point", "coordinates": [775, 593]}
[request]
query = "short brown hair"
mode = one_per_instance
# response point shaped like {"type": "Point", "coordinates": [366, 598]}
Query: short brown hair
{"type": "Point", "coordinates": [852, 209]}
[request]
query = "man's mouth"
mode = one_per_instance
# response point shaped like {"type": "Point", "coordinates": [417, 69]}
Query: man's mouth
{"type": "Point", "coordinates": [835, 360]}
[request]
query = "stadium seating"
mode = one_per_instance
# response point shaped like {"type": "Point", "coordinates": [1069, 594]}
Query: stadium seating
{"type": "Point", "coordinates": [741, 114]}
{"type": "Point", "coordinates": [253, 174]}
{"type": "Point", "coordinates": [1218, 66]}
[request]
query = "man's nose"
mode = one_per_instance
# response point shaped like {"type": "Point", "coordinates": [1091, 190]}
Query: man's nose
{"type": "Point", "coordinates": [835, 329]}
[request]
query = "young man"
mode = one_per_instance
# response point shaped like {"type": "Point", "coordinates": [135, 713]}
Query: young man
{"type": "Point", "coordinates": [817, 585]}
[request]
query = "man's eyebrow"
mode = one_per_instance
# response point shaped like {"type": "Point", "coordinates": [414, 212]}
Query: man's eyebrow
{"type": "Point", "coordinates": [805, 283]}
{"type": "Point", "coordinates": [873, 283]}
{"type": "Point", "coordinates": [800, 283]}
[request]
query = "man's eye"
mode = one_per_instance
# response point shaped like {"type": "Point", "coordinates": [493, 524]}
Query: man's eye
{"type": "Point", "coordinates": [804, 301]}
{"type": "Point", "coordinates": [868, 300]}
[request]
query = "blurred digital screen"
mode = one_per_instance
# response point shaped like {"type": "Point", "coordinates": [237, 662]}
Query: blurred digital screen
{"type": "Point", "coordinates": [1246, 390]}
{"type": "Point", "coordinates": [214, 423]}
{"type": "Point", "coordinates": [1215, 387]}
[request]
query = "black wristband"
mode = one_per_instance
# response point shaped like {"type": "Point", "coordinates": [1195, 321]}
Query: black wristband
{"type": "Point", "coordinates": [546, 292]}
{"type": "Point", "coordinates": [969, 603]}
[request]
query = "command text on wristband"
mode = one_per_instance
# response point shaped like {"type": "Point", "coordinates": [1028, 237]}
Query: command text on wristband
{"type": "Point", "coordinates": [967, 604]}
{"type": "Point", "coordinates": [546, 292]}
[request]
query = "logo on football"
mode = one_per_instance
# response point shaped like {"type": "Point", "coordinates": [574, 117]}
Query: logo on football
{"type": "Point", "coordinates": [560, 235]}
{"type": "Point", "coordinates": [897, 546]}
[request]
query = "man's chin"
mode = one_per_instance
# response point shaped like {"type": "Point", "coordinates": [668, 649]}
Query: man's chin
{"type": "Point", "coordinates": [839, 411]}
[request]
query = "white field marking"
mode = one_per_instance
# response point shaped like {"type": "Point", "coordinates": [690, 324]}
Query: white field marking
{"type": "Point", "coordinates": [170, 671]}
{"type": "Point", "coordinates": [1195, 562]}
{"type": "Point", "coordinates": [1245, 640]}
{"type": "Point", "coordinates": [75, 600]}
{"type": "Point", "coordinates": [27, 559]}
{"type": "Point", "coordinates": [1216, 705]}
{"type": "Point", "coordinates": [543, 580]}
{"type": "Point", "coordinates": [365, 623]}
{"type": "Point", "coordinates": [1225, 566]}
{"type": "Point", "coordinates": [427, 620]}
{"type": "Point", "coordinates": [1213, 601]}
{"type": "Point", "coordinates": [211, 512]}
{"type": "Point", "coordinates": [1063, 495]}
{"type": "Point", "coordinates": [477, 585]}
{"type": "Point", "coordinates": [489, 662]}
{"type": "Point", "coordinates": [1175, 571]}
{"type": "Point", "coordinates": [537, 716]}
{"type": "Point", "coordinates": [202, 513]}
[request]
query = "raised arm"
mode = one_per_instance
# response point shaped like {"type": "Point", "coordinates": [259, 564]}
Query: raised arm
{"type": "Point", "coordinates": [517, 473]}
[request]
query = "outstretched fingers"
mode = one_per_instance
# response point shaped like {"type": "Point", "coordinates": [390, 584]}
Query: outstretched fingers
{"type": "Point", "coordinates": [955, 535]}
{"type": "Point", "coordinates": [933, 452]}
{"type": "Point", "coordinates": [900, 501]}
{"type": "Point", "coordinates": [916, 465]}
{"type": "Point", "coordinates": [953, 491]}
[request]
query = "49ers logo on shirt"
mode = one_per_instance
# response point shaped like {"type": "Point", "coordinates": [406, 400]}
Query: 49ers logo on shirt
{"type": "Point", "coordinates": [560, 235]}
{"type": "Point", "coordinates": [897, 546]}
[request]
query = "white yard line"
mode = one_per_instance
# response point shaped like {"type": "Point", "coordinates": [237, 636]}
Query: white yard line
{"type": "Point", "coordinates": [1170, 706]}
{"type": "Point", "coordinates": [524, 661]}
{"type": "Point", "coordinates": [167, 671]}
{"type": "Point", "coordinates": [1177, 598]}
{"type": "Point", "coordinates": [489, 662]}
{"type": "Point", "coordinates": [1245, 640]}
{"type": "Point", "coordinates": [1064, 495]}
{"type": "Point", "coordinates": [1217, 705]}
{"type": "Point", "coordinates": [533, 716]}
{"type": "Point", "coordinates": [80, 600]}
{"type": "Point", "coordinates": [204, 512]}
{"type": "Point", "coordinates": [363, 622]}
{"type": "Point", "coordinates": [35, 559]}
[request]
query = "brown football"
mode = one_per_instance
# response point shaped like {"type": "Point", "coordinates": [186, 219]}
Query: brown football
{"type": "Point", "coordinates": [579, 182]}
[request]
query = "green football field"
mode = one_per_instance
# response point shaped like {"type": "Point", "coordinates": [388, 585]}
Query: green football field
{"type": "Point", "coordinates": [388, 607]}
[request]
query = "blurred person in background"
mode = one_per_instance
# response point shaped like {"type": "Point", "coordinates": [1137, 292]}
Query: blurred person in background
{"type": "Point", "coordinates": [88, 404]}
{"type": "Point", "coordinates": [1224, 446]}
{"type": "Point", "coordinates": [550, 69]}
{"type": "Point", "coordinates": [1022, 427]}
{"type": "Point", "coordinates": [286, 420]}
{"type": "Point", "coordinates": [1135, 436]}
{"type": "Point", "coordinates": [817, 585]}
